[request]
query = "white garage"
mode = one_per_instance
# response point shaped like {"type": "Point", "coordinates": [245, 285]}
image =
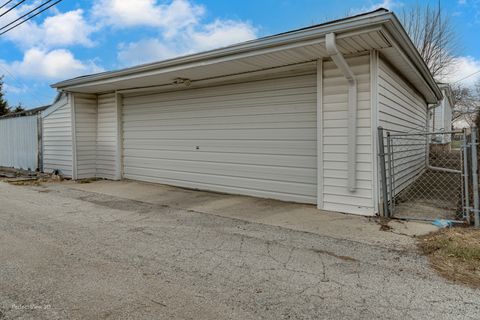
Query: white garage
{"type": "Point", "coordinates": [291, 117]}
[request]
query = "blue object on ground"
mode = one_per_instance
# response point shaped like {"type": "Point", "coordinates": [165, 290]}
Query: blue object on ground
{"type": "Point", "coordinates": [442, 223]}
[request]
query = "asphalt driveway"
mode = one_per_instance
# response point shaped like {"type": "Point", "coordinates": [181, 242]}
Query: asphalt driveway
{"type": "Point", "coordinates": [73, 254]}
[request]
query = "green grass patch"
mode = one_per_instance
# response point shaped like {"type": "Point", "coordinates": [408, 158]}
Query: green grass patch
{"type": "Point", "coordinates": [456, 144]}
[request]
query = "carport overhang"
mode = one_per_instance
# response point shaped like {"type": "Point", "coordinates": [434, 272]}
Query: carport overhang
{"type": "Point", "coordinates": [378, 30]}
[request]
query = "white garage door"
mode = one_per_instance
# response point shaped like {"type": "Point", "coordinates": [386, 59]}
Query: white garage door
{"type": "Point", "coordinates": [256, 138]}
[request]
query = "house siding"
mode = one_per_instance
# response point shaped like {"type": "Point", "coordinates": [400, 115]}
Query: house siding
{"type": "Point", "coordinates": [57, 138]}
{"type": "Point", "coordinates": [336, 196]}
{"type": "Point", "coordinates": [441, 120]}
{"type": "Point", "coordinates": [447, 124]}
{"type": "Point", "coordinates": [86, 135]}
{"type": "Point", "coordinates": [402, 108]}
{"type": "Point", "coordinates": [106, 137]}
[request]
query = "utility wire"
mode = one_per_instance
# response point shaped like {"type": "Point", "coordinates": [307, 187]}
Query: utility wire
{"type": "Point", "coordinates": [11, 8]}
{"type": "Point", "coordinates": [31, 17]}
{"type": "Point", "coordinates": [3, 5]}
{"type": "Point", "coordinates": [26, 14]}
{"type": "Point", "coordinates": [21, 84]}
{"type": "Point", "coordinates": [18, 24]}
{"type": "Point", "coordinates": [470, 75]}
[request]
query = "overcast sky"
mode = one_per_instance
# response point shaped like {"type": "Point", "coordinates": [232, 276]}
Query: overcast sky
{"type": "Point", "coordinates": [83, 37]}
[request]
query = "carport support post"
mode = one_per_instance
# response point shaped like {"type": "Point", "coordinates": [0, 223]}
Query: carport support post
{"type": "Point", "coordinates": [383, 173]}
{"type": "Point", "coordinates": [474, 145]}
{"type": "Point", "coordinates": [39, 143]}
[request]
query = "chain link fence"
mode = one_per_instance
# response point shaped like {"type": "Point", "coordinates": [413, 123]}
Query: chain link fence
{"type": "Point", "coordinates": [426, 175]}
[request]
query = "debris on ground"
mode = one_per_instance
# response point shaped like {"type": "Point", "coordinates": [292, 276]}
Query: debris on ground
{"type": "Point", "coordinates": [442, 223]}
{"type": "Point", "coordinates": [383, 222]}
{"type": "Point", "coordinates": [26, 177]}
{"type": "Point", "coordinates": [455, 254]}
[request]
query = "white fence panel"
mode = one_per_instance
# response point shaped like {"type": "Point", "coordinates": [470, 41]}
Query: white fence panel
{"type": "Point", "coordinates": [19, 142]}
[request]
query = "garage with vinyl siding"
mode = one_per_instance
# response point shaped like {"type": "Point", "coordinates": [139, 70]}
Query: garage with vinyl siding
{"type": "Point", "coordinates": [292, 117]}
{"type": "Point", "coordinates": [254, 138]}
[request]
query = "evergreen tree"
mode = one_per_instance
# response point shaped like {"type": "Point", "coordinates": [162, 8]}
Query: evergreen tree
{"type": "Point", "coordinates": [19, 108]}
{"type": "Point", "coordinates": [4, 109]}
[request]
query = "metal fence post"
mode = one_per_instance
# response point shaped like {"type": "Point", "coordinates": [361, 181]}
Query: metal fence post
{"type": "Point", "coordinates": [465, 177]}
{"type": "Point", "coordinates": [389, 155]}
{"type": "Point", "coordinates": [474, 145]}
{"type": "Point", "coordinates": [383, 174]}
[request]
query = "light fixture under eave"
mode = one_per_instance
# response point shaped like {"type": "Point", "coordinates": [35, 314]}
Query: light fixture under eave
{"type": "Point", "coordinates": [182, 81]}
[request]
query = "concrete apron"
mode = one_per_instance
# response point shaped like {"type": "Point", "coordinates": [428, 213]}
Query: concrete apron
{"type": "Point", "coordinates": [300, 217]}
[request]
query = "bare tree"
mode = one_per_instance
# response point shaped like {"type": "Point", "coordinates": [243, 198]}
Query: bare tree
{"type": "Point", "coordinates": [466, 103]}
{"type": "Point", "coordinates": [433, 34]}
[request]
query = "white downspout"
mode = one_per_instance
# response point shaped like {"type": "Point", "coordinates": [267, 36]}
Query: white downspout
{"type": "Point", "coordinates": [341, 64]}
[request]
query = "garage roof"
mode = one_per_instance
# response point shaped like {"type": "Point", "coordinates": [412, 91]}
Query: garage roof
{"type": "Point", "coordinates": [379, 29]}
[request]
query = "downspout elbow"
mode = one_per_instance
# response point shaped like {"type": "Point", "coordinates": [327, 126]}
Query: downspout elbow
{"type": "Point", "coordinates": [342, 65]}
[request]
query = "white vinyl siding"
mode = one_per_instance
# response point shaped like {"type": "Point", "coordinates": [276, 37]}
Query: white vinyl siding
{"type": "Point", "coordinates": [336, 196]}
{"type": "Point", "coordinates": [437, 119]}
{"type": "Point", "coordinates": [442, 120]}
{"type": "Point", "coordinates": [256, 138]}
{"type": "Point", "coordinates": [106, 136]}
{"type": "Point", "coordinates": [86, 133]}
{"type": "Point", "coordinates": [57, 138]}
{"type": "Point", "coordinates": [447, 120]}
{"type": "Point", "coordinates": [19, 142]}
{"type": "Point", "coordinates": [402, 109]}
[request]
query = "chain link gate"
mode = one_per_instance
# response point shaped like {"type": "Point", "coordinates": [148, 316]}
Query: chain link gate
{"type": "Point", "coordinates": [428, 175]}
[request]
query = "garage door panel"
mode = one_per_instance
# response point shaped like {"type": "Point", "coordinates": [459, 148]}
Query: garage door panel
{"type": "Point", "coordinates": [233, 134]}
{"type": "Point", "coordinates": [254, 139]}
{"type": "Point", "coordinates": [247, 89]}
{"type": "Point", "coordinates": [274, 96]}
{"type": "Point", "coordinates": [227, 180]}
{"type": "Point", "coordinates": [298, 148]}
{"type": "Point", "coordinates": [269, 172]}
{"type": "Point", "coordinates": [214, 157]}
{"type": "Point", "coordinates": [221, 126]}
{"type": "Point", "coordinates": [161, 146]}
{"type": "Point", "coordinates": [257, 121]}
{"type": "Point", "coordinates": [229, 189]}
{"type": "Point", "coordinates": [221, 111]}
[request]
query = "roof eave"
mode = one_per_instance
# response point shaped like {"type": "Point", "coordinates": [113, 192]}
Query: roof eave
{"type": "Point", "coordinates": [405, 42]}
{"type": "Point", "coordinates": [376, 17]}
{"type": "Point", "coordinates": [385, 18]}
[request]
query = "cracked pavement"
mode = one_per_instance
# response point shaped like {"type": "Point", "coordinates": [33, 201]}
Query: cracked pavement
{"type": "Point", "coordinates": [72, 254]}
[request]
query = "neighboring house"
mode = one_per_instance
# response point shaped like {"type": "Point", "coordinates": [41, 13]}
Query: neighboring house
{"type": "Point", "coordinates": [20, 140]}
{"type": "Point", "coordinates": [292, 116]}
{"type": "Point", "coordinates": [441, 116]}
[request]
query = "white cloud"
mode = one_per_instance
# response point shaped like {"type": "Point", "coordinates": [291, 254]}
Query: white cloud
{"type": "Point", "coordinates": [387, 4]}
{"type": "Point", "coordinates": [463, 67]}
{"type": "Point", "coordinates": [49, 65]}
{"type": "Point", "coordinates": [171, 17]}
{"type": "Point", "coordinates": [61, 29]}
{"type": "Point", "coordinates": [146, 50]}
{"type": "Point", "coordinates": [197, 38]}
{"type": "Point", "coordinates": [219, 34]}
{"type": "Point", "coordinates": [12, 89]}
